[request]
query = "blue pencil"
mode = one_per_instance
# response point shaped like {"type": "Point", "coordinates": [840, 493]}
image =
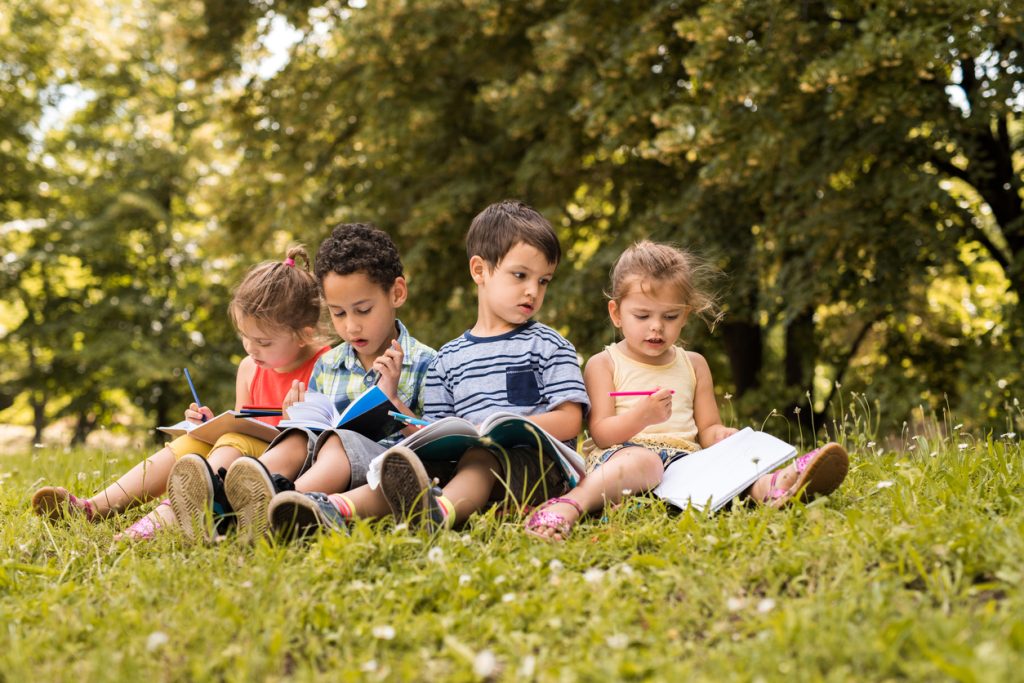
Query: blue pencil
{"type": "Point", "coordinates": [408, 419]}
{"type": "Point", "coordinates": [191, 386]}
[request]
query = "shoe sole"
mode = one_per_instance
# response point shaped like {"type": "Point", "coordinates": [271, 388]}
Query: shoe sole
{"type": "Point", "coordinates": [51, 502]}
{"type": "Point", "coordinates": [190, 490]}
{"type": "Point", "coordinates": [824, 474]}
{"type": "Point", "coordinates": [404, 483]}
{"type": "Point", "coordinates": [249, 490]}
{"type": "Point", "coordinates": [293, 515]}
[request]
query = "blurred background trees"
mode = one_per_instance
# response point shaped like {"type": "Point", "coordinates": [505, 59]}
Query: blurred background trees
{"type": "Point", "coordinates": [854, 172]}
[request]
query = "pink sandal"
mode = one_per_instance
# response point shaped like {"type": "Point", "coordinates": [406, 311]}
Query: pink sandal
{"type": "Point", "coordinates": [144, 529]}
{"type": "Point", "coordinates": [56, 502]}
{"type": "Point", "coordinates": [542, 518]}
{"type": "Point", "coordinates": [819, 473]}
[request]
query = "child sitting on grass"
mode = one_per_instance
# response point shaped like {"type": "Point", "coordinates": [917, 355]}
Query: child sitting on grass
{"type": "Point", "coordinates": [361, 277]}
{"type": "Point", "coordinates": [506, 362]}
{"type": "Point", "coordinates": [276, 310]}
{"type": "Point", "coordinates": [654, 290]}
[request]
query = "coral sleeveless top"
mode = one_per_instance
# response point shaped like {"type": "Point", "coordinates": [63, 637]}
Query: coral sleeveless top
{"type": "Point", "coordinates": [269, 388]}
{"type": "Point", "coordinates": [680, 430]}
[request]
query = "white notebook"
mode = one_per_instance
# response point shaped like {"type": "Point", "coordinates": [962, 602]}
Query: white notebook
{"type": "Point", "coordinates": [721, 472]}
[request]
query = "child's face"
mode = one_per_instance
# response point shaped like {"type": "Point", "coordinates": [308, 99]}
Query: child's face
{"type": "Point", "coordinates": [513, 291]}
{"type": "Point", "coordinates": [651, 319]}
{"type": "Point", "coordinates": [363, 312]}
{"type": "Point", "coordinates": [272, 348]}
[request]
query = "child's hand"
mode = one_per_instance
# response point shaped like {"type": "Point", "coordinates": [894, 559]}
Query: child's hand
{"type": "Point", "coordinates": [716, 433]}
{"type": "Point", "coordinates": [389, 365]}
{"type": "Point", "coordinates": [297, 394]}
{"type": "Point", "coordinates": [198, 415]}
{"type": "Point", "coordinates": [656, 408]}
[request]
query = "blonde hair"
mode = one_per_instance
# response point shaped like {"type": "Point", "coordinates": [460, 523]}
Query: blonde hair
{"type": "Point", "coordinates": [280, 295]}
{"type": "Point", "coordinates": [651, 264]}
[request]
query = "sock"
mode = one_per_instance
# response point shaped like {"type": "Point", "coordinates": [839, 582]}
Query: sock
{"type": "Point", "coordinates": [344, 504]}
{"type": "Point", "coordinates": [447, 509]}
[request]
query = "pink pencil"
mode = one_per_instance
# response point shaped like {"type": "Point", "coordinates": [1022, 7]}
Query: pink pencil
{"type": "Point", "coordinates": [636, 393]}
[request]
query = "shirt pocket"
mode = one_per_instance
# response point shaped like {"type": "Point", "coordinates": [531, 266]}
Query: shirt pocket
{"type": "Point", "coordinates": [521, 386]}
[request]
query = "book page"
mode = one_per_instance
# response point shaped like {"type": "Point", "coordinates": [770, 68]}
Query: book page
{"type": "Point", "coordinates": [721, 472]}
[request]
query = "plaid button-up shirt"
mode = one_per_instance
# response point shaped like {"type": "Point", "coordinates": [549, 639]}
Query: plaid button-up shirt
{"type": "Point", "coordinates": [339, 375]}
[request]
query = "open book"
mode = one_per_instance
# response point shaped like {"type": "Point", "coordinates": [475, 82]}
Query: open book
{"type": "Point", "coordinates": [715, 475]}
{"type": "Point", "coordinates": [226, 423]}
{"type": "Point", "coordinates": [448, 438]}
{"type": "Point", "coordinates": [368, 414]}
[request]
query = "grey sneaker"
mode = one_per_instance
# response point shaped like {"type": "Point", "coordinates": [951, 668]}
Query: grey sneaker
{"type": "Point", "coordinates": [250, 486]}
{"type": "Point", "coordinates": [197, 498]}
{"type": "Point", "coordinates": [406, 487]}
{"type": "Point", "coordinates": [295, 514]}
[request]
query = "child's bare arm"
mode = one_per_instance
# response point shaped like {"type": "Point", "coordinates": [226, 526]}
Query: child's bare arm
{"type": "Point", "coordinates": [563, 422]}
{"type": "Point", "coordinates": [710, 429]}
{"type": "Point", "coordinates": [606, 427]}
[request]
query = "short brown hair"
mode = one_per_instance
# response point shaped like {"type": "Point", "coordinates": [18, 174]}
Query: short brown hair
{"type": "Point", "coordinates": [501, 226]}
{"type": "Point", "coordinates": [280, 295]}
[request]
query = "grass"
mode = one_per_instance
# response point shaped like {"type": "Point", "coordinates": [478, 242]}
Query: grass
{"type": "Point", "coordinates": [911, 570]}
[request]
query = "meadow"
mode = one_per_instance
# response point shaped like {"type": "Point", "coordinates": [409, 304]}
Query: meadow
{"type": "Point", "coordinates": [910, 571]}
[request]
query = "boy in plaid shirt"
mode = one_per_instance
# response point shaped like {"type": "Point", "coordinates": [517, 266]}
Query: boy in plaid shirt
{"type": "Point", "coordinates": [360, 275]}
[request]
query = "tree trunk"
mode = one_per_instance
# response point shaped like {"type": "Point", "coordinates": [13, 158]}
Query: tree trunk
{"type": "Point", "coordinates": [745, 348]}
{"type": "Point", "coordinates": [83, 427]}
{"type": "Point", "coordinates": [38, 402]}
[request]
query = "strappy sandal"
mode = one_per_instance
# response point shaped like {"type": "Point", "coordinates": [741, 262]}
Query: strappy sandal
{"type": "Point", "coordinates": [542, 518]}
{"type": "Point", "coordinates": [819, 473]}
{"type": "Point", "coordinates": [56, 502]}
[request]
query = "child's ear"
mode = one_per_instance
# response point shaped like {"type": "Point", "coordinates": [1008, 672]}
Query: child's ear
{"type": "Point", "coordinates": [614, 313]}
{"type": "Point", "coordinates": [399, 292]}
{"type": "Point", "coordinates": [477, 266]}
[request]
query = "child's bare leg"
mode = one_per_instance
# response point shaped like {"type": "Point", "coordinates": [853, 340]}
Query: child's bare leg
{"type": "Point", "coordinates": [368, 503]}
{"type": "Point", "coordinates": [286, 458]}
{"type": "Point", "coordinates": [145, 481]}
{"type": "Point", "coordinates": [470, 488]}
{"type": "Point", "coordinates": [332, 471]}
{"type": "Point", "coordinates": [632, 470]}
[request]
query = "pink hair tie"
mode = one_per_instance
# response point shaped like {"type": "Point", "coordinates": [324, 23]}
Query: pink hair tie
{"type": "Point", "coordinates": [289, 262]}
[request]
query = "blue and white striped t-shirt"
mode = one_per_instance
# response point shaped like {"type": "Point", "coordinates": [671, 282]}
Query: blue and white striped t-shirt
{"type": "Point", "coordinates": [527, 371]}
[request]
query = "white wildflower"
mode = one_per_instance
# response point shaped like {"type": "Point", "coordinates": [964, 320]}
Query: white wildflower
{"type": "Point", "coordinates": [157, 639]}
{"type": "Point", "coordinates": [527, 667]}
{"type": "Point", "coordinates": [435, 554]}
{"type": "Point", "coordinates": [627, 492]}
{"type": "Point", "coordinates": [593, 575]}
{"type": "Point", "coordinates": [464, 579]}
{"type": "Point", "coordinates": [485, 664]}
{"type": "Point", "coordinates": [728, 397]}
{"type": "Point", "coordinates": [870, 444]}
{"type": "Point", "coordinates": [766, 606]}
{"type": "Point", "coordinates": [735, 604]}
{"type": "Point", "coordinates": [81, 476]}
{"type": "Point", "coordinates": [384, 632]}
{"type": "Point", "coordinates": [401, 527]}
{"type": "Point", "coordinates": [369, 666]}
{"type": "Point", "coordinates": [1008, 435]}
{"type": "Point", "coordinates": [499, 579]}
{"type": "Point", "coordinates": [535, 562]}
{"type": "Point", "coordinates": [963, 446]}
{"type": "Point", "coordinates": [958, 426]}
{"type": "Point", "coordinates": [555, 566]}
{"type": "Point", "coordinates": [617, 641]}
{"type": "Point", "coordinates": [466, 539]}
{"type": "Point", "coordinates": [246, 584]}
{"type": "Point", "coordinates": [884, 484]}
{"type": "Point", "coordinates": [508, 597]}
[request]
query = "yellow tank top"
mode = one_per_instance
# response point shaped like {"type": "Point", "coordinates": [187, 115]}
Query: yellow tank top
{"type": "Point", "coordinates": [680, 430]}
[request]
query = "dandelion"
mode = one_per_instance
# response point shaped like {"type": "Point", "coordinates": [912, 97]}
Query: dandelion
{"type": "Point", "coordinates": [435, 554]}
{"type": "Point", "coordinates": [384, 632]}
{"type": "Point", "coordinates": [81, 476]}
{"type": "Point", "coordinates": [464, 579]}
{"type": "Point", "coordinates": [593, 575]}
{"type": "Point", "coordinates": [555, 566]}
{"type": "Point", "coordinates": [156, 640]}
{"type": "Point", "coordinates": [884, 484]}
{"type": "Point", "coordinates": [766, 606]}
{"type": "Point", "coordinates": [535, 562]}
{"type": "Point", "coordinates": [485, 664]}
{"type": "Point", "coordinates": [466, 539]}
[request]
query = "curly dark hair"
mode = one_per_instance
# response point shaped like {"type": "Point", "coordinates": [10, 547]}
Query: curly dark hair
{"type": "Point", "coordinates": [359, 248]}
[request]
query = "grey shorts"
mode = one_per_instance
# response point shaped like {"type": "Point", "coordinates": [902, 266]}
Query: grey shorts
{"type": "Point", "coordinates": [358, 448]}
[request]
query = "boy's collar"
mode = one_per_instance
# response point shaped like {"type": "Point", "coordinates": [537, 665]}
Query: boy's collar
{"type": "Point", "coordinates": [468, 334]}
{"type": "Point", "coordinates": [350, 360]}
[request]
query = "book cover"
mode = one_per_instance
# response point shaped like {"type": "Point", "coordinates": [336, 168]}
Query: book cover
{"type": "Point", "coordinates": [711, 477]}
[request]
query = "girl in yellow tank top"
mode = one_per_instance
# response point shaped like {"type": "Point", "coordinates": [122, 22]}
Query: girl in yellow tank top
{"type": "Point", "coordinates": [653, 401]}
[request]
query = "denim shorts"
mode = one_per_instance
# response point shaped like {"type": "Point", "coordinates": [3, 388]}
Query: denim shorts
{"type": "Point", "coordinates": [667, 455]}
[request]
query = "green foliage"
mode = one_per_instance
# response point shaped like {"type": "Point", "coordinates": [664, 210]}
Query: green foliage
{"type": "Point", "coordinates": [905, 572]}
